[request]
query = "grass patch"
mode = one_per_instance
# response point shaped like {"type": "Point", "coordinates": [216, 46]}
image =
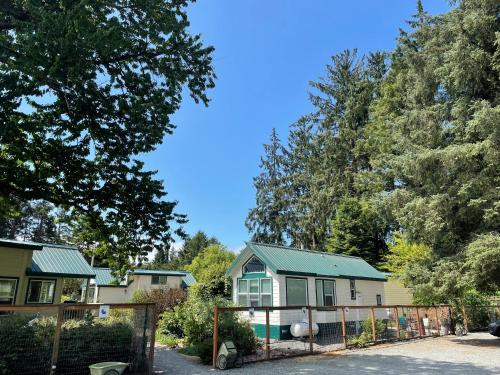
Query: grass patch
{"type": "Point", "coordinates": [167, 340]}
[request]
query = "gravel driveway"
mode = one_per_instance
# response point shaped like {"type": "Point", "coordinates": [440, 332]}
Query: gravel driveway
{"type": "Point", "coordinates": [477, 353]}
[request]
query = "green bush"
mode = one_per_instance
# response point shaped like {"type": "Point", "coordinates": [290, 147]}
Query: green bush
{"type": "Point", "coordinates": [26, 344]}
{"type": "Point", "coordinates": [366, 335]}
{"type": "Point", "coordinates": [193, 321]}
{"type": "Point", "coordinates": [164, 298]}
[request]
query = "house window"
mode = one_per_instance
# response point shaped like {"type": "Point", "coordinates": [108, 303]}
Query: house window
{"type": "Point", "coordinates": [379, 300]}
{"type": "Point", "coordinates": [254, 265]}
{"type": "Point", "coordinates": [41, 291]}
{"type": "Point", "coordinates": [158, 280]}
{"type": "Point", "coordinates": [352, 284]}
{"type": "Point", "coordinates": [8, 291]}
{"type": "Point", "coordinates": [325, 293]}
{"type": "Point", "coordinates": [296, 292]}
{"type": "Point", "coordinates": [254, 292]}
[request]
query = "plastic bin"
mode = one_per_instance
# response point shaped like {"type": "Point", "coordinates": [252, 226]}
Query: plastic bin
{"type": "Point", "coordinates": [108, 368]}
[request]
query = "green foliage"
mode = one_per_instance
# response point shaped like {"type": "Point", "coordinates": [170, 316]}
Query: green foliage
{"type": "Point", "coordinates": [402, 254]}
{"type": "Point", "coordinates": [366, 335]}
{"type": "Point", "coordinates": [167, 258]}
{"type": "Point", "coordinates": [268, 219]}
{"type": "Point", "coordinates": [358, 230]}
{"type": "Point", "coordinates": [168, 340]}
{"type": "Point", "coordinates": [164, 298]}
{"type": "Point", "coordinates": [410, 145]}
{"type": "Point", "coordinates": [209, 269]}
{"type": "Point", "coordinates": [81, 344]}
{"type": "Point", "coordinates": [483, 262]}
{"type": "Point", "coordinates": [104, 80]}
{"type": "Point", "coordinates": [193, 321]}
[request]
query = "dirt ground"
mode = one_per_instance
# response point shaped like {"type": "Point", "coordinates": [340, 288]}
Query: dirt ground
{"type": "Point", "coordinates": [477, 353]}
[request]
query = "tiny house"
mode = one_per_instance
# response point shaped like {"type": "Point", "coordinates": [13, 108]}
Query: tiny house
{"type": "Point", "coordinates": [271, 275]}
{"type": "Point", "coordinates": [34, 273]}
{"type": "Point", "coordinates": [105, 288]}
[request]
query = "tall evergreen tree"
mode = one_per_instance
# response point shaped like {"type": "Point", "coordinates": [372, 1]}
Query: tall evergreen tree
{"type": "Point", "coordinates": [439, 113]}
{"type": "Point", "coordinates": [267, 221]}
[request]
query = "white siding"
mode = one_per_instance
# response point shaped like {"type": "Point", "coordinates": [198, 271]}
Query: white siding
{"type": "Point", "coordinates": [367, 292]}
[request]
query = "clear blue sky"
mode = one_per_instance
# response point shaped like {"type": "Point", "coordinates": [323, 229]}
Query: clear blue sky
{"type": "Point", "coordinates": [266, 53]}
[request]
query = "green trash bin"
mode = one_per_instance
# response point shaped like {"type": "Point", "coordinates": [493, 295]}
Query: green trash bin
{"type": "Point", "coordinates": [108, 368]}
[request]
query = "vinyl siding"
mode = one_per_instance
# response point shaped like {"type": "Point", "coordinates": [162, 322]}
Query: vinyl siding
{"type": "Point", "coordinates": [397, 294]}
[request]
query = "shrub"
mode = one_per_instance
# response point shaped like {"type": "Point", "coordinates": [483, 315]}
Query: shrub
{"type": "Point", "coordinates": [164, 298]}
{"type": "Point", "coordinates": [26, 344]}
{"type": "Point", "coordinates": [194, 318]}
{"type": "Point", "coordinates": [366, 336]}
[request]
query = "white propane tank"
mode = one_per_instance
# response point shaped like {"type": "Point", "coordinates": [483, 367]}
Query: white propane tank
{"type": "Point", "coordinates": [301, 329]}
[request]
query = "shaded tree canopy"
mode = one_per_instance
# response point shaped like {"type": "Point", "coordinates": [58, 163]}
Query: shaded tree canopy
{"type": "Point", "coordinates": [86, 88]}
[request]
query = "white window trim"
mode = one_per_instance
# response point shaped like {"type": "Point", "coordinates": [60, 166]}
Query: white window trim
{"type": "Point", "coordinates": [248, 261]}
{"type": "Point", "coordinates": [333, 295]}
{"type": "Point", "coordinates": [307, 289]}
{"type": "Point", "coordinates": [254, 296]}
{"type": "Point", "coordinates": [352, 288]}
{"type": "Point", "coordinates": [16, 283]}
{"type": "Point", "coordinates": [51, 281]}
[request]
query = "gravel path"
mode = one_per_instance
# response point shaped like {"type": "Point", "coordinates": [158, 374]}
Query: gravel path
{"type": "Point", "coordinates": [477, 353]}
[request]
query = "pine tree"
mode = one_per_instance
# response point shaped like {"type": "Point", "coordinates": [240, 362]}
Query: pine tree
{"type": "Point", "coordinates": [267, 221]}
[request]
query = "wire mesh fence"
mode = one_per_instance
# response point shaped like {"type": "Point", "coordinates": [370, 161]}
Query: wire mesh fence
{"type": "Point", "coordinates": [66, 339]}
{"type": "Point", "coordinates": [284, 331]}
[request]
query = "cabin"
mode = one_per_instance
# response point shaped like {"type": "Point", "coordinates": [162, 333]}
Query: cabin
{"type": "Point", "coordinates": [105, 288]}
{"type": "Point", "coordinates": [271, 275]}
{"type": "Point", "coordinates": [34, 273]}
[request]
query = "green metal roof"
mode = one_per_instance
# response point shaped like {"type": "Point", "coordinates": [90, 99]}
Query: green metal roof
{"type": "Point", "coordinates": [293, 261]}
{"type": "Point", "coordinates": [15, 244]}
{"type": "Point", "coordinates": [141, 271]}
{"type": "Point", "coordinates": [188, 280]}
{"type": "Point", "coordinates": [104, 277]}
{"type": "Point", "coordinates": [61, 261]}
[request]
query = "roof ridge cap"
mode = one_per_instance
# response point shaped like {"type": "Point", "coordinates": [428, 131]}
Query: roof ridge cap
{"type": "Point", "coordinates": [304, 250]}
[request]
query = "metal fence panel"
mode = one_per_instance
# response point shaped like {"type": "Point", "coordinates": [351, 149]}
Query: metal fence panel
{"type": "Point", "coordinates": [66, 339]}
{"type": "Point", "coordinates": [338, 327]}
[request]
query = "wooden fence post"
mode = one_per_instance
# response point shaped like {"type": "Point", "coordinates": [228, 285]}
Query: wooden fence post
{"type": "Point", "coordinates": [374, 331]}
{"type": "Point", "coordinates": [419, 324]}
{"type": "Point", "coordinates": [438, 325]}
{"type": "Point", "coordinates": [344, 336]}
{"type": "Point", "coordinates": [311, 349]}
{"type": "Point", "coordinates": [398, 335]}
{"type": "Point", "coordinates": [154, 320]}
{"type": "Point", "coordinates": [466, 320]}
{"type": "Point", "coordinates": [215, 337]}
{"type": "Point", "coordinates": [57, 338]}
{"type": "Point", "coordinates": [268, 335]}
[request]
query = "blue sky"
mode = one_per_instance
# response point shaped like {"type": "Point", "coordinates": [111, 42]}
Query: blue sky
{"type": "Point", "coordinates": [266, 53]}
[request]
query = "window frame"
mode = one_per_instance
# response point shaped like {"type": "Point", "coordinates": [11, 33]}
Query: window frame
{"type": "Point", "coordinates": [379, 299]}
{"type": "Point", "coordinates": [16, 279]}
{"type": "Point", "coordinates": [251, 296]}
{"type": "Point", "coordinates": [256, 272]}
{"type": "Point", "coordinates": [307, 289]}
{"type": "Point", "coordinates": [352, 288]}
{"type": "Point", "coordinates": [334, 295]}
{"type": "Point", "coordinates": [30, 280]}
{"type": "Point", "coordinates": [159, 276]}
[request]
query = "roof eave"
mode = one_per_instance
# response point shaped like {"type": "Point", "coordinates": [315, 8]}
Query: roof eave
{"type": "Point", "coordinates": [30, 272]}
